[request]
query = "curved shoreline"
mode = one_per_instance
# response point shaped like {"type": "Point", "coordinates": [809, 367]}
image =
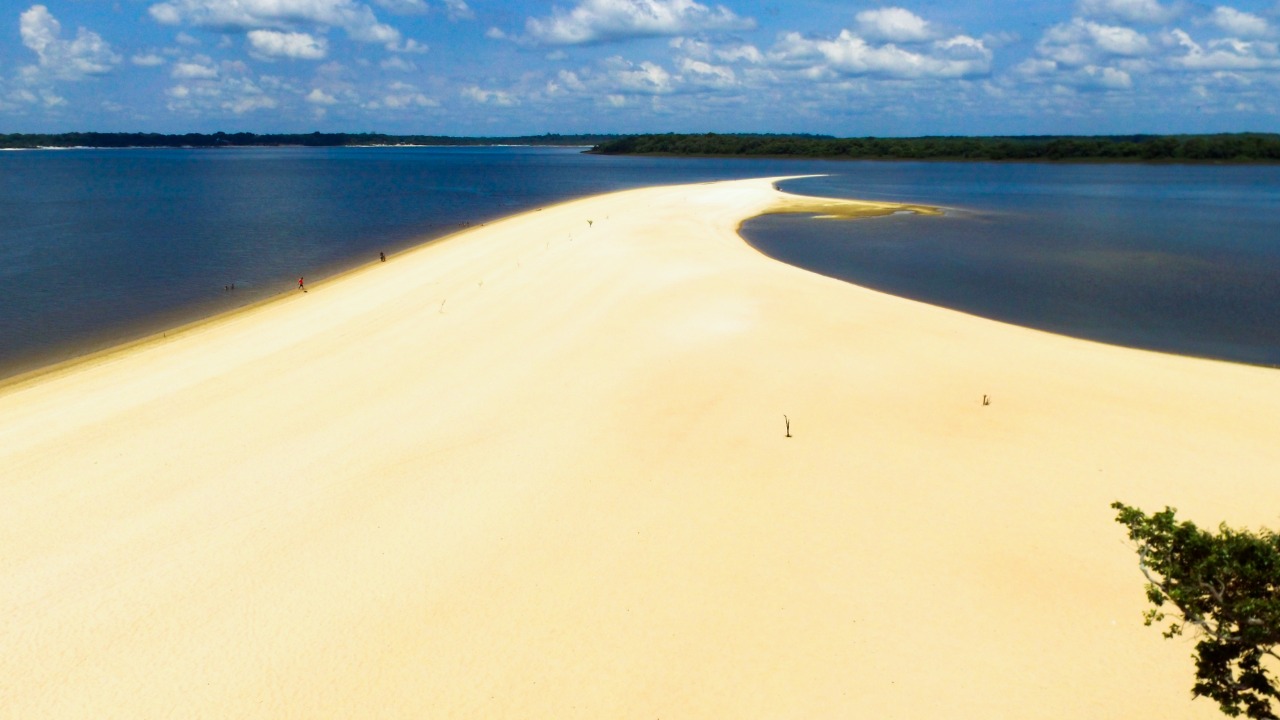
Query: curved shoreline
{"type": "Point", "coordinates": [541, 470]}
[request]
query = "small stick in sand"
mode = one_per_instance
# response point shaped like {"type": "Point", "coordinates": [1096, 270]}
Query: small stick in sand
{"type": "Point", "coordinates": [986, 400]}
{"type": "Point", "coordinates": [442, 302]}
{"type": "Point", "coordinates": [788, 421]}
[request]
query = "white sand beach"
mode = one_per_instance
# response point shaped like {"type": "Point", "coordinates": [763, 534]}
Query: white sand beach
{"type": "Point", "coordinates": [539, 470]}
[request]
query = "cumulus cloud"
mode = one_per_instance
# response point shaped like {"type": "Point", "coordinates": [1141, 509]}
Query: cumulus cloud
{"type": "Point", "coordinates": [193, 71]}
{"type": "Point", "coordinates": [489, 97]}
{"type": "Point", "coordinates": [88, 54]}
{"type": "Point", "coordinates": [850, 54]}
{"type": "Point", "coordinates": [226, 93]}
{"type": "Point", "coordinates": [707, 75]}
{"type": "Point", "coordinates": [1081, 42]}
{"type": "Point", "coordinates": [645, 78]}
{"type": "Point", "coordinates": [741, 53]}
{"type": "Point", "coordinates": [357, 20]}
{"type": "Point", "coordinates": [1108, 77]}
{"type": "Point", "coordinates": [1084, 77]}
{"type": "Point", "coordinates": [1223, 54]}
{"type": "Point", "coordinates": [249, 103]}
{"type": "Point", "coordinates": [596, 21]}
{"type": "Point", "coordinates": [408, 46]}
{"type": "Point", "coordinates": [458, 10]}
{"type": "Point", "coordinates": [320, 97]}
{"type": "Point", "coordinates": [1135, 11]}
{"type": "Point", "coordinates": [400, 96]}
{"type": "Point", "coordinates": [1239, 24]}
{"type": "Point", "coordinates": [893, 24]}
{"type": "Point", "coordinates": [294, 45]}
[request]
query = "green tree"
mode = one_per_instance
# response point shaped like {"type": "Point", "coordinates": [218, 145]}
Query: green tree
{"type": "Point", "coordinates": [1226, 587]}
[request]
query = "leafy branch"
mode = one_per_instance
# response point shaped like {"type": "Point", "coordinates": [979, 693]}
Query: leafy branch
{"type": "Point", "coordinates": [1226, 587]}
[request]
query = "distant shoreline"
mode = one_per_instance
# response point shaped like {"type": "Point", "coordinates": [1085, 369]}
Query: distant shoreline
{"type": "Point", "coordinates": [251, 147]}
{"type": "Point", "coordinates": [96, 140]}
{"type": "Point", "coordinates": [1240, 148]}
{"type": "Point", "coordinates": [1223, 148]}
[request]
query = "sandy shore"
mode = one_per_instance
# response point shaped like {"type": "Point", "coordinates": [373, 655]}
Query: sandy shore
{"type": "Point", "coordinates": [539, 471]}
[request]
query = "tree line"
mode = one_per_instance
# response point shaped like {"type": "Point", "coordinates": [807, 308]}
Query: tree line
{"type": "Point", "coordinates": [245, 139]}
{"type": "Point", "coordinates": [1240, 147]}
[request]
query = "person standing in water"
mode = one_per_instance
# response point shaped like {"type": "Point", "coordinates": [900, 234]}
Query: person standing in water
{"type": "Point", "coordinates": [382, 257]}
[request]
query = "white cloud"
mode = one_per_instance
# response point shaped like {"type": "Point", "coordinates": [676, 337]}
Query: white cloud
{"type": "Point", "coordinates": [893, 24]}
{"type": "Point", "coordinates": [231, 92]}
{"type": "Point", "coordinates": [62, 59]}
{"type": "Point", "coordinates": [1082, 42]}
{"type": "Point", "coordinates": [298, 46]}
{"type": "Point", "coordinates": [706, 74]}
{"type": "Point", "coordinates": [400, 96]}
{"type": "Point", "coordinates": [1108, 77]}
{"type": "Point", "coordinates": [249, 103]}
{"type": "Point", "coordinates": [850, 54]}
{"type": "Point", "coordinates": [1239, 24]}
{"type": "Point", "coordinates": [408, 46]}
{"type": "Point", "coordinates": [1223, 54]}
{"type": "Point", "coordinates": [1136, 11]}
{"type": "Point", "coordinates": [356, 19]}
{"type": "Point", "coordinates": [458, 10]}
{"type": "Point", "coordinates": [489, 97]}
{"type": "Point", "coordinates": [741, 53]}
{"type": "Point", "coordinates": [571, 81]}
{"type": "Point", "coordinates": [193, 71]}
{"type": "Point", "coordinates": [320, 97]}
{"type": "Point", "coordinates": [595, 21]}
{"type": "Point", "coordinates": [647, 78]}
{"type": "Point", "coordinates": [494, 33]}
{"type": "Point", "coordinates": [19, 98]}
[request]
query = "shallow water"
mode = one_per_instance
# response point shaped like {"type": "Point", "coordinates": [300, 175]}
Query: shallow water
{"type": "Point", "coordinates": [1182, 259]}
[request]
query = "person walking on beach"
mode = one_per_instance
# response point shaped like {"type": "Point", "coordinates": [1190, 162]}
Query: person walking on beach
{"type": "Point", "coordinates": [301, 285]}
{"type": "Point", "coordinates": [382, 256]}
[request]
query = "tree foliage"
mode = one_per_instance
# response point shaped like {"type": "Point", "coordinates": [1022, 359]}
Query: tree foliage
{"type": "Point", "coordinates": [1226, 588]}
{"type": "Point", "coordinates": [1241, 147]}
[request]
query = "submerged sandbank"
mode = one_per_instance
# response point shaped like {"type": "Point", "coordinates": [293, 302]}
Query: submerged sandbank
{"type": "Point", "coordinates": [540, 470]}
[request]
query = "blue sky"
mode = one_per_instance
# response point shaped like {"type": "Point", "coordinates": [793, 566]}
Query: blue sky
{"type": "Point", "coordinates": [483, 67]}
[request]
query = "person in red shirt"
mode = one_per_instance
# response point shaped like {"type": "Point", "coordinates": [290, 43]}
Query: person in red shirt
{"type": "Point", "coordinates": [300, 286]}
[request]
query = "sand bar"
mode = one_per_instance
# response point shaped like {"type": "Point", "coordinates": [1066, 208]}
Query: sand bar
{"type": "Point", "coordinates": [539, 471]}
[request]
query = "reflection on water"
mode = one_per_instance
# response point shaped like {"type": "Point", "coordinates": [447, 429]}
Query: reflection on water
{"type": "Point", "coordinates": [1172, 258]}
{"type": "Point", "coordinates": [97, 246]}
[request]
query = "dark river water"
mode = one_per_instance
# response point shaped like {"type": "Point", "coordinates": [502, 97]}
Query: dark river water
{"type": "Point", "coordinates": [102, 246]}
{"type": "Point", "coordinates": [1184, 259]}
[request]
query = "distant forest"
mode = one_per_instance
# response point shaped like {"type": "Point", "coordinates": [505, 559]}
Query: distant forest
{"type": "Point", "coordinates": [1244, 147]}
{"type": "Point", "coordinates": [316, 139]}
{"type": "Point", "coordinates": [1241, 147]}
